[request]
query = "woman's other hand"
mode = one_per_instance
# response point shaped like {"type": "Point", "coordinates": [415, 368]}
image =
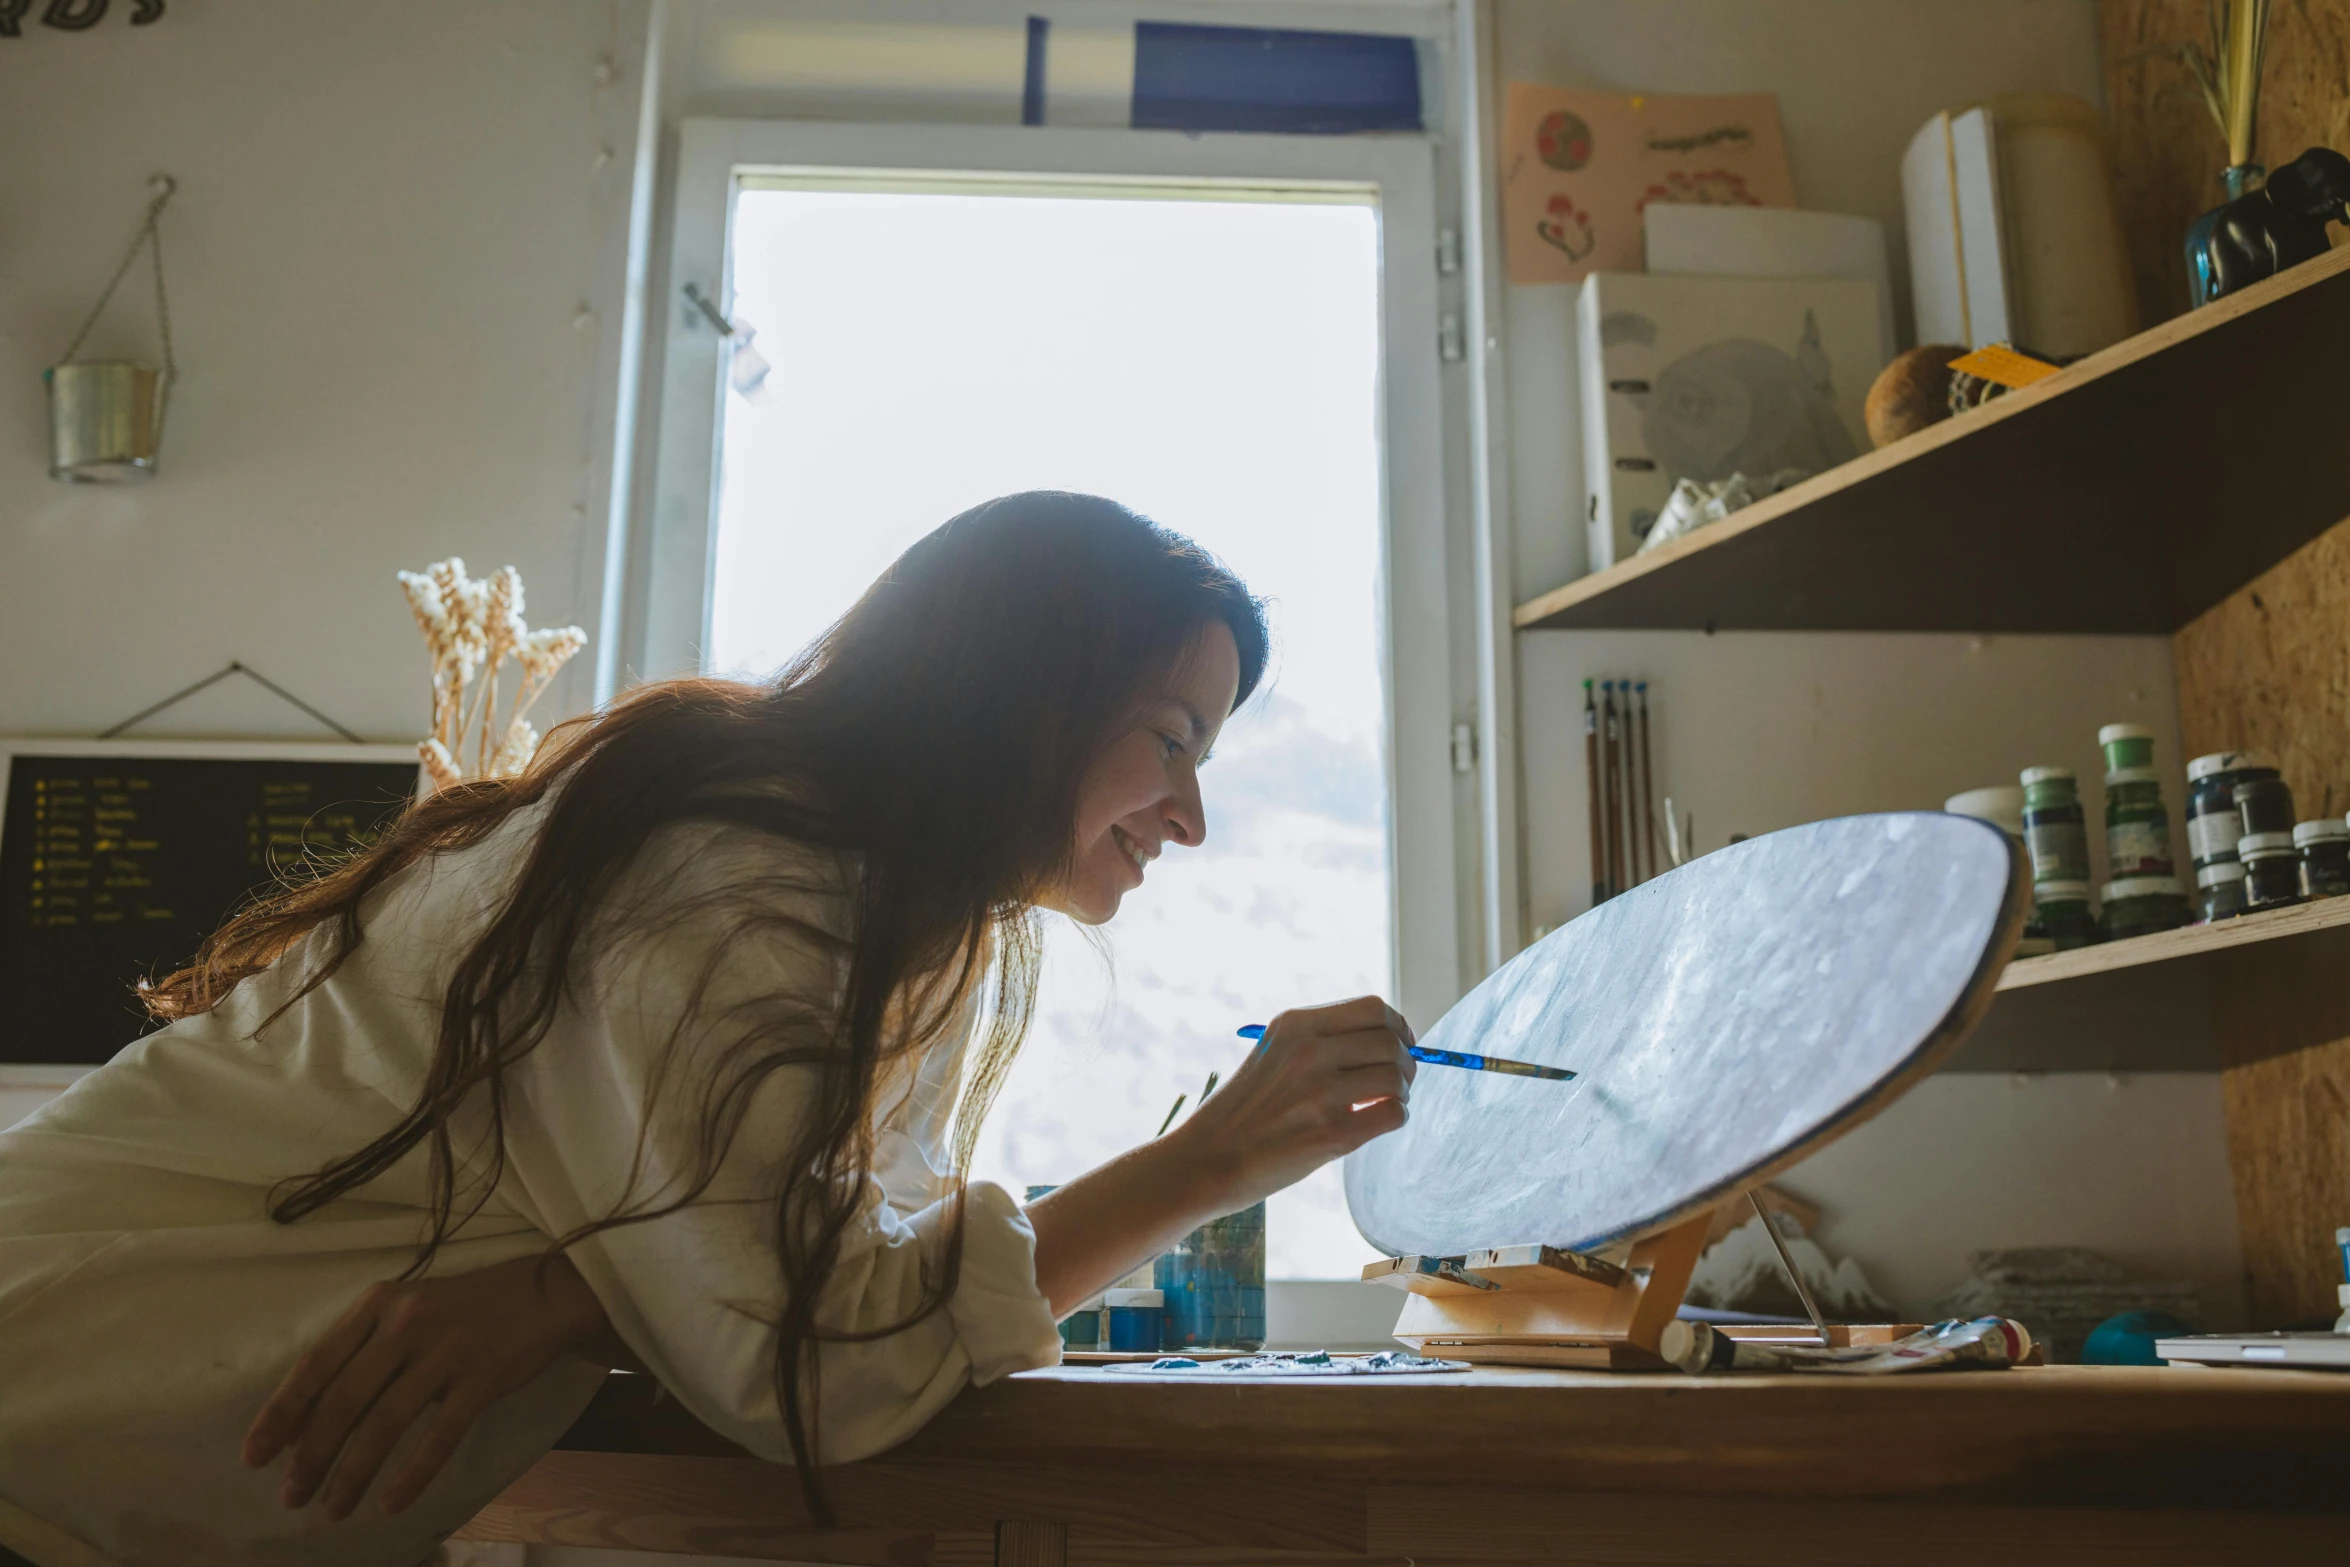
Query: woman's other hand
{"type": "Point", "coordinates": [437, 1351]}
{"type": "Point", "coordinates": [1323, 1081]}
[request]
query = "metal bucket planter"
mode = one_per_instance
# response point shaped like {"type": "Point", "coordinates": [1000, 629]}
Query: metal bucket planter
{"type": "Point", "coordinates": [106, 416]}
{"type": "Point", "coordinates": [105, 421]}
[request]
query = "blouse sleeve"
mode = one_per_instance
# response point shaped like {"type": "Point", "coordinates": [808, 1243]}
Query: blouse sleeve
{"type": "Point", "coordinates": [605, 1114]}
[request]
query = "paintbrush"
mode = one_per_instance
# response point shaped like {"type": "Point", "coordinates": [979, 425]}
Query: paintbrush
{"type": "Point", "coordinates": [1591, 779]}
{"type": "Point", "coordinates": [1647, 784]}
{"type": "Point", "coordinates": [1610, 737]}
{"type": "Point", "coordinates": [1467, 1063]}
{"type": "Point", "coordinates": [1177, 1108]}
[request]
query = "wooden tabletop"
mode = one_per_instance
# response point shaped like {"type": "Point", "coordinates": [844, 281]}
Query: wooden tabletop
{"type": "Point", "coordinates": [2093, 1435]}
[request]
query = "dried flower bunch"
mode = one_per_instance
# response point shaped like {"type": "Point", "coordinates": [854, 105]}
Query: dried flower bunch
{"type": "Point", "coordinates": [2229, 70]}
{"type": "Point", "coordinates": [471, 627]}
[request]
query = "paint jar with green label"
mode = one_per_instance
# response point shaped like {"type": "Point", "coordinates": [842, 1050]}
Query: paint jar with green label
{"type": "Point", "coordinates": [2055, 832]}
{"type": "Point", "coordinates": [2142, 905]}
{"type": "Point", "coordinates": [2061, 910]}
{"type": "Point", "coordinates": [2126, 746]}
{"type": "Point", "coordinates": [2137, 826]}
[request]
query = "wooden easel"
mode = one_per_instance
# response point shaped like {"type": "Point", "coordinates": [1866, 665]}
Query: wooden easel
{"type": "Point", "coordinates": [1614, 1310]}
{"type": "Point", "coordinates": [1541, 1306]}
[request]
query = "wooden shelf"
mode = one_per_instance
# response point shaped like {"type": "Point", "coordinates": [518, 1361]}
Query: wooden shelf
{"type": "Point", "coordinates": [2126, 494]}
{"type": "Point", "coordinates": [2155, 1003]}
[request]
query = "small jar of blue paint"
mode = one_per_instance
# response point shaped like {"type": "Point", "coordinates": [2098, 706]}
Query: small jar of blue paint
{"type": "Point", "coordinates": [1082, 1328]}
{"type": "Point", "coordinates": [1137, 1320]}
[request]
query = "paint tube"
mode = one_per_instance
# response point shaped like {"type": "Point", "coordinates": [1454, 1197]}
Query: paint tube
{"type": "Point", "coordinates": [1992, 1343]}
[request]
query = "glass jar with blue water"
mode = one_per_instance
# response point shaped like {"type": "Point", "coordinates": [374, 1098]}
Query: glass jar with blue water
{"type": "Point", "coordinates": [1214, 1283]}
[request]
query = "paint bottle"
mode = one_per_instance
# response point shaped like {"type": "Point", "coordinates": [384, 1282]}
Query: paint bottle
{"type": "Point", "coordinates": [2219, 889]}
{"type": "Point", "coordinates": [2062, 911]}
{"type": "Point", "coordinates": [1137, 1320]}
{"type": "Point", "coordinates": [2055, 831]}
{"type": "Point", "coordinates": [2126, 746]}
{"type": "Point", "coordinates": [2212, 824]}
{"type": "Point", "coordinates": [2142, 905]}
{"type": "Point", "coordinates": [2002, 806]}
{"type": "Point", "coordinates": [2324, 846]}
{"type": "Point", "coordinates": [1082, 1328]}
{"type": "Point", "coordinates": [2342, 1290]}
{"type": "Point", "coordinates": [2263, 805]}
{"type": "Point", "coordinates": [2137, 825]}
{"type": "Point", "coordinates": [2272, 870]}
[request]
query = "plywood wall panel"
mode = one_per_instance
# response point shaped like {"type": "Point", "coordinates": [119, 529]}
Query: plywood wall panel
{"type": "Point", "coordinates": [2167, 152]}
{"type": "Point", "coordinates": [2270, 667]}
{"type": "Point", "coordinates": [2289, 1150]}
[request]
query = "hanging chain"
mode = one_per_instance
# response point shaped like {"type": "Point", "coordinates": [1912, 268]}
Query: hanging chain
{"type": "Point", "coordinates": [148, 236]}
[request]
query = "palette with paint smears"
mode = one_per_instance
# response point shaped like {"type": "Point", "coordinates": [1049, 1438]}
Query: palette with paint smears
{"type": "Point", "coordinates": [1727, 1018]}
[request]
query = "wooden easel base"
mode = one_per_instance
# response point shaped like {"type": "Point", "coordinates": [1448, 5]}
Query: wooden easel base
{"type": "Point", "coordinates": [1539, 1306]}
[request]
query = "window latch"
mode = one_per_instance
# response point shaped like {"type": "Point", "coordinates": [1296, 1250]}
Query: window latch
{"type": "Point", "coordinates": [710, 313]}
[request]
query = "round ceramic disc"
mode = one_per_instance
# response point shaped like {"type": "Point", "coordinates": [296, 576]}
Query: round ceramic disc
{"type": "Point", "coordinates": [1726, 1018]}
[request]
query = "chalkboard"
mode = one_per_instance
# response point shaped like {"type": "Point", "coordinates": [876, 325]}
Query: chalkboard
{"type": "Point", "coordinates": [117, 860]}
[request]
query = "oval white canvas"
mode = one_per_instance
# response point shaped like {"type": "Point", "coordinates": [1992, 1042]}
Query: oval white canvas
{"type": "Point", "coordinates": [1726, 1019]}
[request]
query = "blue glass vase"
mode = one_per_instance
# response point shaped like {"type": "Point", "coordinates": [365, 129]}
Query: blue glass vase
{"type": "Point", "coordinates": [2204, 283]}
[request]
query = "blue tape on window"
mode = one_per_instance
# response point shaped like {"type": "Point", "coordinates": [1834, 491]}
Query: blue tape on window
{"type": "Point", "coordinates": [1032, 85]}
{"type": "Point", "coordinates": [1196, 78]}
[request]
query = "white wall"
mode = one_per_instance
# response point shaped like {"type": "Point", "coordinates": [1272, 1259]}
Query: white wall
{"type": "Point", "coordinates": [393, 264]}
{"type": "Point", "coordinates": [1760, 731]}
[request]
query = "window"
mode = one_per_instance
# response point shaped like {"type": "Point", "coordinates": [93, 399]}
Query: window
{"type": "Point", "coordinates": [1209, 351]}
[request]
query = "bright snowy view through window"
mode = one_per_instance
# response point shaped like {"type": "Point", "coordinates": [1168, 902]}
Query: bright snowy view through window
{"type": "Point", "coordinates": [1213, 364]}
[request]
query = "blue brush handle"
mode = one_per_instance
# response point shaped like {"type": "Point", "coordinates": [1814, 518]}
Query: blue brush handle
{"type": "Point", "coordinates": [1467, 1063]}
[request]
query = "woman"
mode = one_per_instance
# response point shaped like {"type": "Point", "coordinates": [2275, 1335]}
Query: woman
{"type": "Point", "coordinates": [655, 1055]}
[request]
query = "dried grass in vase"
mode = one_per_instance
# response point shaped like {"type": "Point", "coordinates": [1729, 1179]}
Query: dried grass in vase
{"type": "Point", "coordinates": [471, 627]}
{"type": "Point", "coordinates": [2228, 72]}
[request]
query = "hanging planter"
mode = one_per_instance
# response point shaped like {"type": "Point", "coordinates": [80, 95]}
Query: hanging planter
{"type": "Point", "coordinates": [106, 416]}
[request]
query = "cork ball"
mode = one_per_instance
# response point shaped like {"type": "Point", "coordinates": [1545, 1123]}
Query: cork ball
{"type": "Point", "coordinates": [1911, 393]}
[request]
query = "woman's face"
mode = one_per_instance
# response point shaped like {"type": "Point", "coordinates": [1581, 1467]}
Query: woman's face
{"type": "Point", "coordinates": [1143, 792]}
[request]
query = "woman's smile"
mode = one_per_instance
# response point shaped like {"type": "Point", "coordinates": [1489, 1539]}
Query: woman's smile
{"type": "Point", "coordinates": [1134, 851]}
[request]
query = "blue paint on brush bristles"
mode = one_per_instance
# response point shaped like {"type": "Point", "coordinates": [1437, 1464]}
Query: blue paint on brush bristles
{"type": "Point", "coordinates": [1461, 1059]}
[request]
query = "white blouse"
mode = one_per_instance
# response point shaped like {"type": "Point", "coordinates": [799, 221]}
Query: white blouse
{"type": "Point", "coordinates": [149, 1305]}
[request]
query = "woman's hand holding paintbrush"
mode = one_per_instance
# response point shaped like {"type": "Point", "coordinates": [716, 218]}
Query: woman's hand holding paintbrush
{"type": "Point", "coordinates": [1336, 1077]}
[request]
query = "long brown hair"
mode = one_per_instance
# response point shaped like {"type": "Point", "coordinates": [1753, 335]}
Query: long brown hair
{"type": "Point", "coordinates": [935, 737]}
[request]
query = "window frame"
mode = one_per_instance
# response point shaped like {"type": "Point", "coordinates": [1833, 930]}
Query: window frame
{"type": "Point", "coordinates": [669, 616]}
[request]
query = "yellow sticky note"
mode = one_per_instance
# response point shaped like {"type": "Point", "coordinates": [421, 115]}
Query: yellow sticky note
{"type": "Point", "coordinates": [2003, 366]}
